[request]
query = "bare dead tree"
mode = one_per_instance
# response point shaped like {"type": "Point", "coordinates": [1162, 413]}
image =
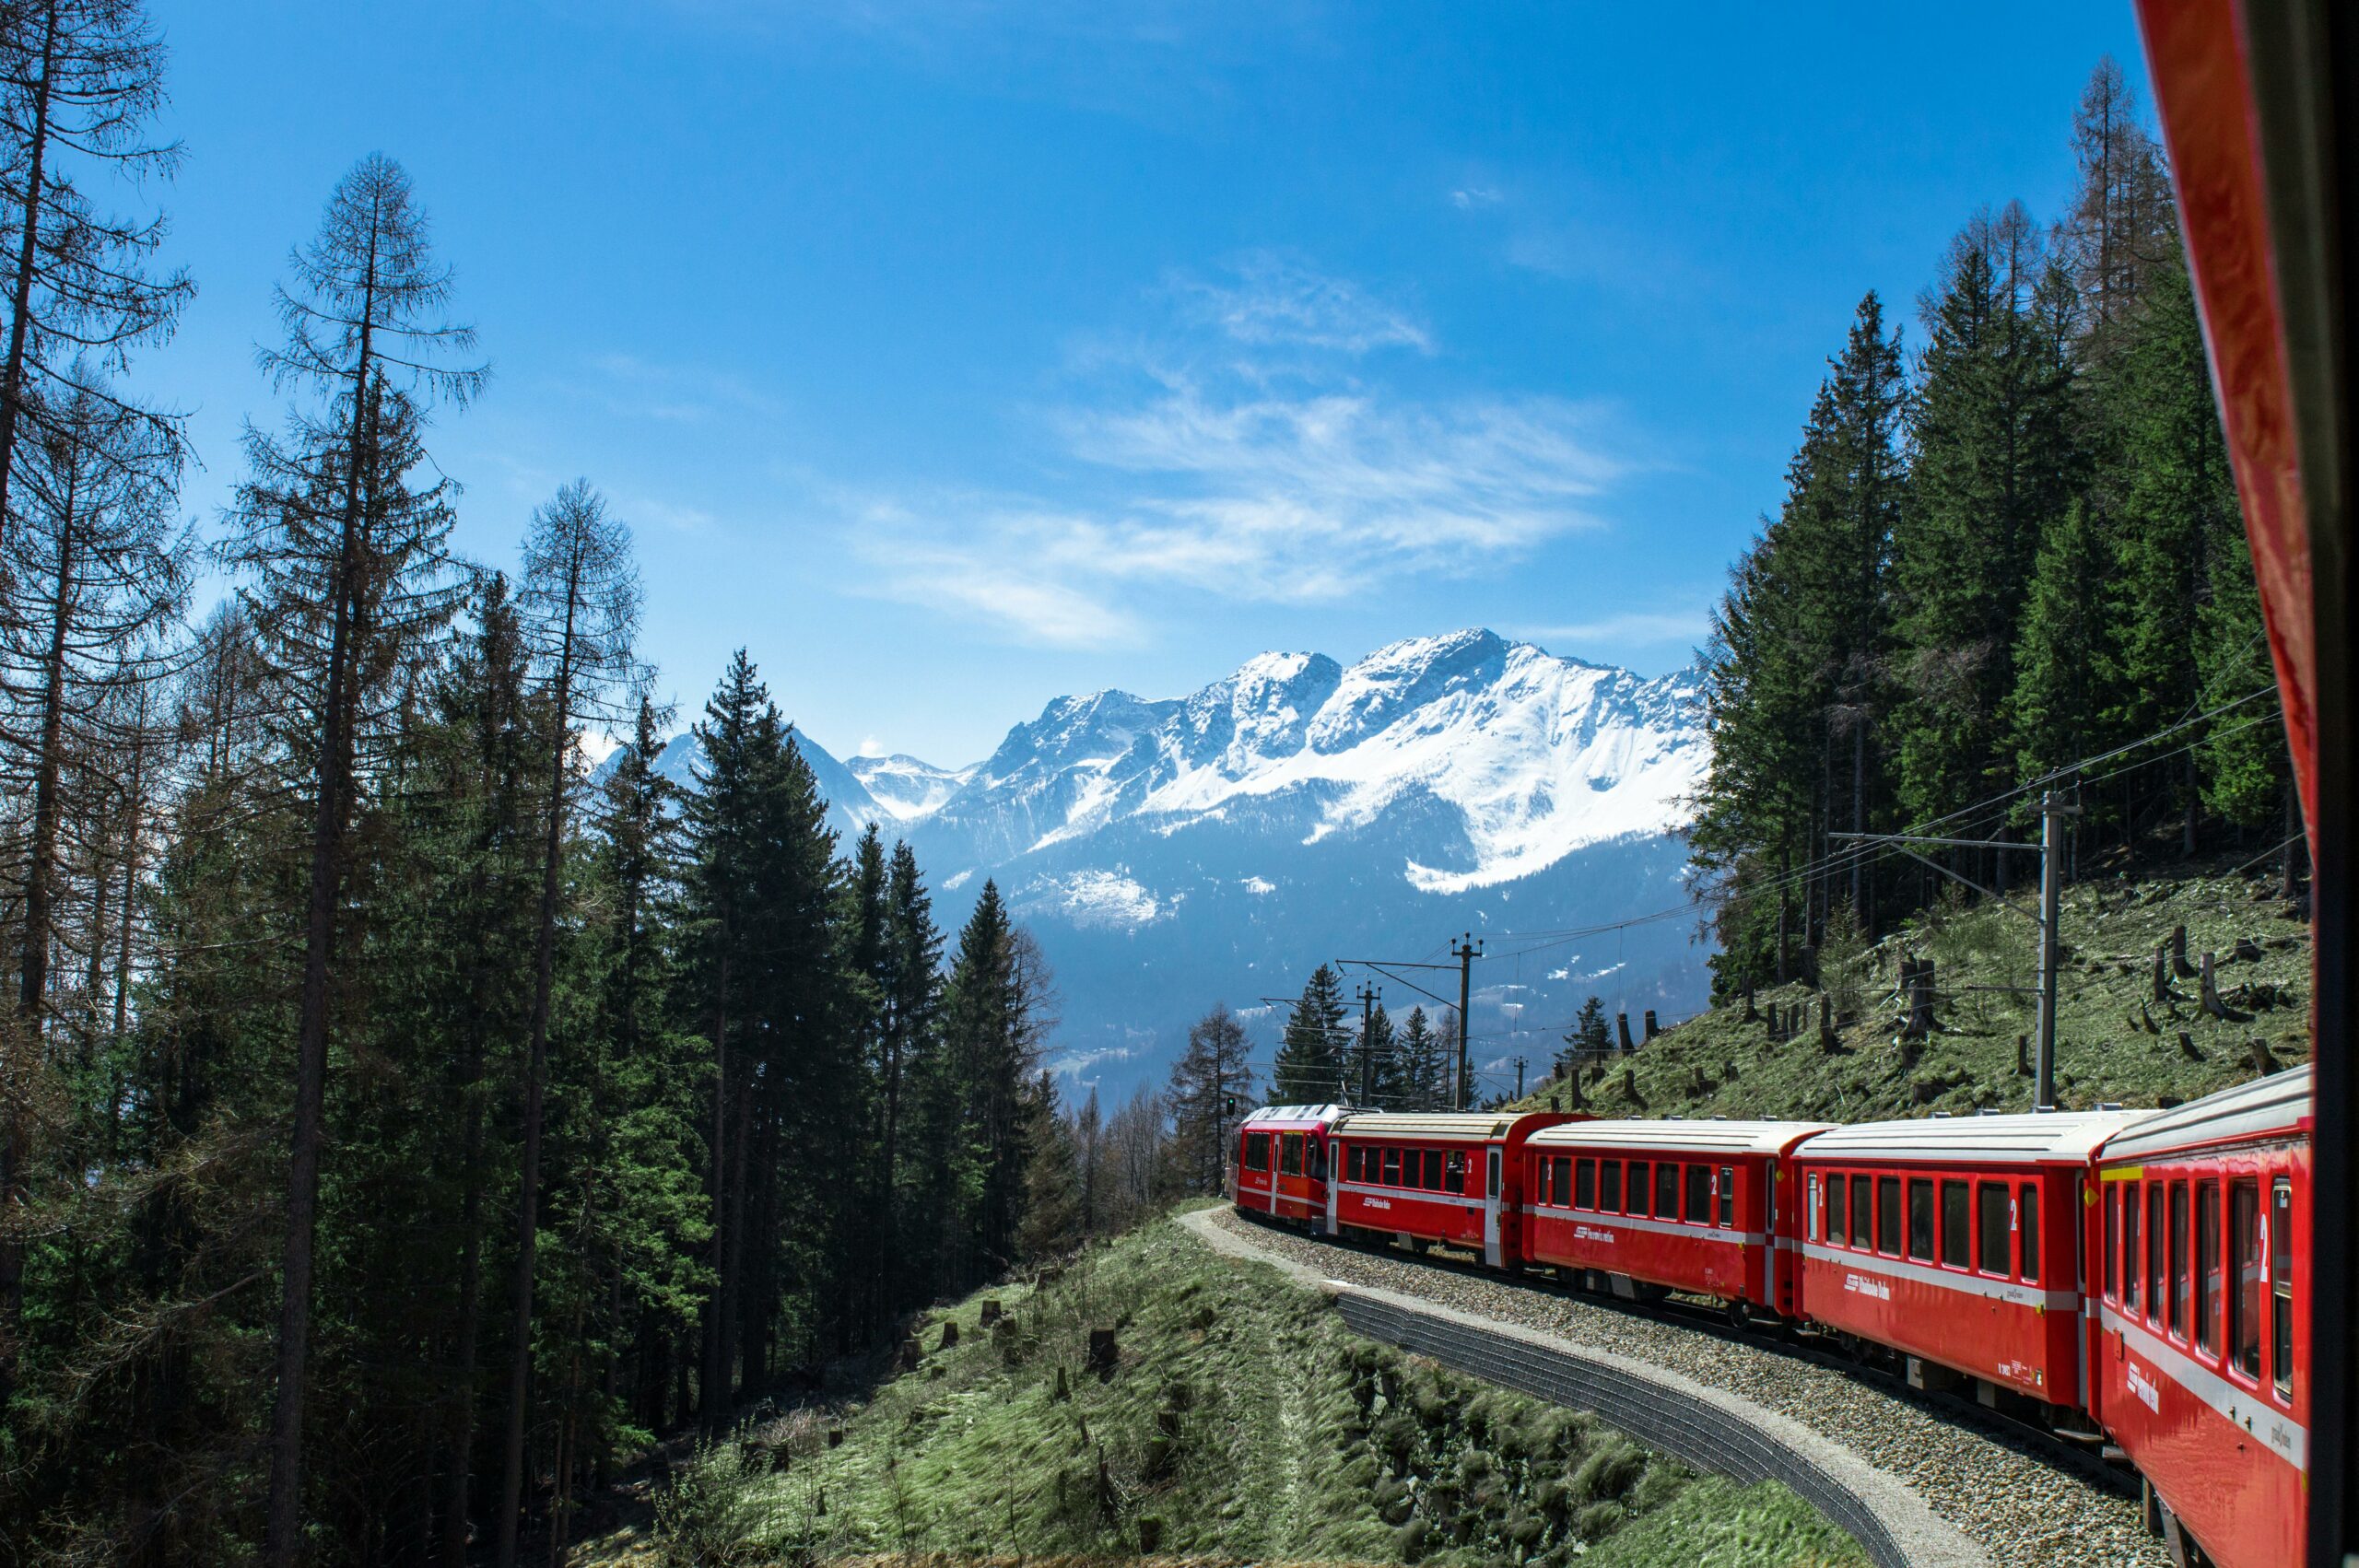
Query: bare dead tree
{"type": "Point", "coordinates": [80, 83]}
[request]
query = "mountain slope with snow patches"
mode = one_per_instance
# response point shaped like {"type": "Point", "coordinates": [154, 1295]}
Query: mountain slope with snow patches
{"type": "Point", "coordinates": [1174, 852]}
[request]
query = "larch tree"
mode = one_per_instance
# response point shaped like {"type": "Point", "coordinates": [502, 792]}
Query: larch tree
{"type": "Point", "coordinates": [347, 560]}
{"type": "Point", "coordinates": [81, 82]}
{"type": "Point", "coordinates": [1210, 1087]}
{"type": "Point", "coordinates": [578, 600]}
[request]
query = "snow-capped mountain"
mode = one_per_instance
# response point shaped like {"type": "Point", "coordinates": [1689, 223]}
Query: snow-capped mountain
{"type": "Point", "coordinates": [1174, 852]}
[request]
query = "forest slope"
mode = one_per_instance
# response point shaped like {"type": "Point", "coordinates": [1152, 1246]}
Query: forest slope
{"type": "Point", "coordinates": [2115, 1041]}
{"type": "Point", "coordinates": [1243, 1422]}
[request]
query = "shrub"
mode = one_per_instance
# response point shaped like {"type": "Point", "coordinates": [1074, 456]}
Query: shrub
{"type": "Point", "coordinates": [709, 1516]}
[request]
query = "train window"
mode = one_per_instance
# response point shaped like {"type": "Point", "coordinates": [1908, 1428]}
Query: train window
{"type": "Point", "coordinates": [1564, 1163]}
{"type": "Point", "coordinates": [1290, 1155]}
{"type": "Point", "coordinates": [1639, 1180]}
{"type": "Point", "coordinates": [2281, 1284]}
{"type": "Point", "coordinates": [2207, 1265]}
{"type": "Point", "coordinates": [1609, 1187]}
{"type": "Point", "coordinates": [1816, 1225]}
{"type": "Point", "coordinates": [1667, 1191]}
{"type": "Point", "coordinates": [2133, 1265]}
{"type": "Point", "coordinates": [1728, 1197]}
{"type": "Point", "coordinates": [1699, 1194]}
{"type": "Point", "coordinates": [1318, 1153]}
{"type": "Point", "coordinates": [1863, 1211]}
{"type": "Point", "coordinates": [1257, 1151]}
{"type": "Point", "coordinates": [2181, 1278]}
{"type": "Point", "coordinates": [1836, 1199]}
{"type": "Point", "coordinates": [1355, 1162]}
{"type": "Point", "coordinates": [1920, 1218]}
{"type": "Point", "coordinates": [1585, 1183]}
{"type": "Point", "coordinates": [1392, 1167]}
{"type": "Point", "coordinates": [1453, 1177]}
{"type": "Point", "coordinates": [2112, 1242]}
{"type": "Point", "coordinates": [2029, 1227]}
{"type": "Point", "coordinates": [1957, 1205]}
{"type": "Point", "coordinates": [2157, 1279]}
{"type": "Point", "coordinates": [1995, 1231]}
{"type": "Point", "coordinates": [2244, 1302]}
{"type": "Point", "coordinates": [1433, 1170]}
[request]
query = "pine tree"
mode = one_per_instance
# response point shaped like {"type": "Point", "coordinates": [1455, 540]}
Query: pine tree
{"type": "Point", "coordinates": [344, 548]}
{"type": "Point", "coordinates": [1309, 1065]}
{"type": "Point", "coordinates": [1588, 1041]}
{"type": "Point", "coordinates": [1211, 1084]}
{"type": "Point", "coordinates": [579, 600]}
{"type": "Point", "coordinates": [1052, 1207]}
{"type": "Point", "coordinates": [1424, 1063]}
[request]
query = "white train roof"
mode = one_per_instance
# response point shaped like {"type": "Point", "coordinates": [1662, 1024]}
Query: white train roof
{"type": "Point", "coordinates": [2047, 1137]}
{"type": "Point", "coordinates": [1299, 1113]}
{"type": "Point", "coordinates": [1434, 1127]}
{"type": "Point", "coordinates": [1709, 1135]}
{"type": "Point", "coordinates": [2265, 1108]}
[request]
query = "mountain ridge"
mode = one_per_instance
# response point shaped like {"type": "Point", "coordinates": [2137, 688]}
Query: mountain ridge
{"type": "Point", "coordinates": [1169, 851]}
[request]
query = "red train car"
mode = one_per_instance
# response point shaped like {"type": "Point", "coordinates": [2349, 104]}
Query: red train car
{"type": "Point", "coordinates": [1282, 1162]}
{"type": "Point", "coordinates": [1448, 1177]}
{"type": "Point", "coordinates": [1704, 1207]}
{"type": "Point", "coordinates": [1955, 1241]}
{"type": "Point", "coordinates": [2202, 1316]}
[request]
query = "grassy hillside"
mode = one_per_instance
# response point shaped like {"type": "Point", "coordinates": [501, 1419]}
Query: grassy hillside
{"type": "Point", "coordinates": [1242, 1421]}
{"type": "Point", "coordinates": [2108, 1049]}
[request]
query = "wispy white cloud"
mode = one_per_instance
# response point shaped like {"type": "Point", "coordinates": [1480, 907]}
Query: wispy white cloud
{"type": "Point", "coordinates": [1467, 198]}
{"type": "Point", "coordinates": [1641, 627]}
{"type": "Point", "coordinates": [1270, 299]}
{"type": "Point", "coordinates": [1293, 482]}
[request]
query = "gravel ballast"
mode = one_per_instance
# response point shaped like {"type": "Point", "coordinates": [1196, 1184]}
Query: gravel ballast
{"type": "Point", "coordinates": [2017, 1506]}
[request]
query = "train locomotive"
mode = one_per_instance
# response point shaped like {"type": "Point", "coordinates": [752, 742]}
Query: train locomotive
{"type": "Point", "coordinates": [2130, 1278]}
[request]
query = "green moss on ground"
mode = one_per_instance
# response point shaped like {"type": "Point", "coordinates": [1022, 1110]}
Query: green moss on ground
{"type": "Point", "coordinates": [1717, 1063]}
{"type": "Point", "coordinates": [1243, 1422]}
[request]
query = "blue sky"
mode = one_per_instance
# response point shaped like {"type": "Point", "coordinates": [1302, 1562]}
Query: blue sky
{"type": "Point", "coordinates": [953, 357]}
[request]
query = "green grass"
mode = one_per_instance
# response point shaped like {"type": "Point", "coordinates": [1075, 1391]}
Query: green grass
{"type": "Point", "coordinates": [1719, 1064]}
{"type": "Point", "coordinates": [1244, 1423]}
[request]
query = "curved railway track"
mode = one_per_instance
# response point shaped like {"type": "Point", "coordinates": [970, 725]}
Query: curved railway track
{"type": "Point", "coordinates": [2027, 1495]}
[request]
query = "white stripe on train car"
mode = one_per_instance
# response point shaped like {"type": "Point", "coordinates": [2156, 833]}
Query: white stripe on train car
{"type": "Point", "coordinates": [1415, 1194]}
{"type": "Point", "coordinates": [1639, 1222]}
{"type": "Point", "coordinates": [2236, 1406]}
{"type": "Point", "coordinates": [1945, 1278]}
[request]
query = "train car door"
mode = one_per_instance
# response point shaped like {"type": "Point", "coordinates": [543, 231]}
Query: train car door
{"type": "Point", "coordinates": [1491, 1209]}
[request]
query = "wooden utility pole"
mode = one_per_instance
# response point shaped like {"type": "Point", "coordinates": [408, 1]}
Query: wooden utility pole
{"type": "Point", "coordinates": [1465, 953]}
{"type": "Point", "coordinates": [2052, 847]}
{"type": "Point", "coordinates": [1368, 995]}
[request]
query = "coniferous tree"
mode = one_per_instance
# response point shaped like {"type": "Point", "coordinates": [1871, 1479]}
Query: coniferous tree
{"type": "Point", "coordinates": [1424, 1062]}
{"type": "Point", "coordinates": [81, 83]}
{"type": "Point", "coordinates": [1211, 1085]}
{"type": "Point", "coordinates": [1309, 1065]}
{"type": "Point", "coordinates": [580, 603]}
{"type": "Point", "coordinates": [344, 547]}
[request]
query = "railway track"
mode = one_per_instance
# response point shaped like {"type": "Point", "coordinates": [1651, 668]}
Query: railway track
{"type": "Point", "coordinates": [2028, 1495]}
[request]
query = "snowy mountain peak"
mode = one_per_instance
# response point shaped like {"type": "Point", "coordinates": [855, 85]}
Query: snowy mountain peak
{"type": "Point", "coordinates": [905, 785]}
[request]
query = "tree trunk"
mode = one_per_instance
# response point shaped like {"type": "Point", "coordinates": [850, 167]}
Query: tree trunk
{"type": "Point", "coordinates": [528, 1197]}
{"type": "Point", "coordinates": [284, 1521]}
{"type": "Point", "coordinates": [709, 1401]}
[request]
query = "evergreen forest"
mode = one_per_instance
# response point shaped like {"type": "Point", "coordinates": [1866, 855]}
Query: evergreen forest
{"type": "Point", "coordinates": [2009, 561]}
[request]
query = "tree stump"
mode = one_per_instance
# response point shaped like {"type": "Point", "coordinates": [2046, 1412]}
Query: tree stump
{"type": "Point", "coordinates": [1621, 1023]}
{"type": "Point", "coordinates": [1063, 1393]}
{"type": "Point", "coordinates": [2212, 1002]}
{"type": "Point", "coordinates": [2248, 950]}
{"type": "Point", "coordinates": [1826, 1019]}
{"type": "Point", "coordinates": [1631, 1088]}
{"type": "Point", "coordinates": [912, 1354]}
{"type": "Point", "coordinates": [2179, 965]}
{"type": "Point", "coordinates": [949, 1334]}
{"type": "Point", "coordinates": [2262, 1058]}
{"type": "Point", "coordinates": [1652, 1029]}
{"type": "Point", "coordinates": [2162, 973]}
{"type": "Point", "coordinates": [1104, 1353]}
{"type": "Point", "coordinates": [2023, 1056]}
{"type": "Point", "coordinates": [988, 1314]}
{"type": "Point", "coordinates": [835, 1437]}
{"type": "Point", "coordinates": [1751, 1012]}
{"type": "Point", "coordinates": [2187, 1046]}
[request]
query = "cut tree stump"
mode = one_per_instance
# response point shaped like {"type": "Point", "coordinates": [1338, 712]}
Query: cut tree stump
{"type": "Point", "coordinates": [1104, 1353]}
{"type": "Point", "coordinates": [949, 1334]}
{"type": "Point", "coordinates": [1621, 1023]}
{"type": "Point", "coordinates": [1651, 1029]}
{"type": "Point", "coordinates": [1826, 1019]}
{"type": "Point", "coordinates": [2262, 1058]}
{"type": "Point", "coordinates": [2023, 1056]}
{"type": "Point", "coordinates": [2212, 1002]}
{"type": "Point", "coordinates": [2179, 965]}
{"type": "Point", "coordinates": [987, 1315]}
{"type": "Point", "coordinates": [2187, 1046]}
{"type": "Point", "coordinates": [1751, 1012]}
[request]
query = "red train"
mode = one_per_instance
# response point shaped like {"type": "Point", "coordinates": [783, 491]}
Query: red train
{"type": "Point", "coordinates": [2134, 1275]}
